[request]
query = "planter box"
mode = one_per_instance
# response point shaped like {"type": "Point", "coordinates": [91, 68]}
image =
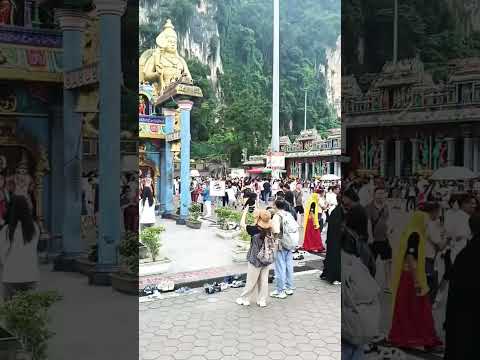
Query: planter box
{"type": "Point", "coordinates": [84, 266]}
{"type": "Point", "coordinates": [240, 250]}
{"type": "Point", "coordinates": [8, 345]}
{"type": "Point", "coordinates": [194, 225]}
{"type": "Point", "coordinates": [153, 268]}
{"type": "Point", "coordinates": [227, 234]}
{"type": "Point", "coordinates": [125, 283]}
{"type": "Point", "coordinates": [142, 252]}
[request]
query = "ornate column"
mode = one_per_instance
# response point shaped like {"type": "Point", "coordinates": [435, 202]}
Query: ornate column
{"type": "Point", "coordinates": [185, 197]}
{"type": "Point", "coordinates": [476, 149]}
{"type": "Point", "coordinates": [467, 148]}
{"type": "Point", "coordinates": [398, 157]}
{"type": "Point", "coordinates": [167, 168]}
{"type": "Point", "coordinates": [27, 13]}
{"type": "Point", "coordinates": [57, 179]}
{"type": "Point", "coordinates": [451, 151]}
{"type": "Point", "coordinates": [109, 232]}
{"type": "Point", "coordinates": [306, 170]}
{"type": "Point", "coordinates": [414, 155]}
{"type": "Point", "coordinates": [383, 151]}
{"type": "Point", "coordinates": [72, 23]}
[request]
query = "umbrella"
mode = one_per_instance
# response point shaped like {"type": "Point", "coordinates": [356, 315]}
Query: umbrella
{"type": "Point", "coordinates": [453, 173]}
{"type": "Point", "coordinates": [259, 171]}
{"type": "Point", "coordinates": [330, 177]}
{"type": "Point", "coordinates": [194, 173]}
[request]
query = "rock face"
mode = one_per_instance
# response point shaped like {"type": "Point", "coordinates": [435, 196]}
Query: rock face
{"type": "Point", "coordinates": [467, 15]}
{"type": "Point", "coordinates": [333, 75]}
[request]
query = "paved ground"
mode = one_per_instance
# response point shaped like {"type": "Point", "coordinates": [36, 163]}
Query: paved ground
{"type": "Point", "coordinates": [208, 327]}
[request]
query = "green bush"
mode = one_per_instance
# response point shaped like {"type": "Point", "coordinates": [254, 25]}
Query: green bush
{"type": "Point", "coordinates": [244, 236]}
{"type": "Point", "coordinates": [26, 316]}
{"type": "Point", "coordinates": [129, 250]}
{"type": "Point", "coordinates": [195, 212]}
{"type": "Point", "coordinates": [150, 237]}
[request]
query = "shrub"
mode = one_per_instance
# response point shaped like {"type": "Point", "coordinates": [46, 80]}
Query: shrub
{"type": "Point", "coordinates": [195, 212]}
{"type": "Point", "coordinates": [150, 237]}
{"type": "Point", "coordinates": [26, 316]}
{"type": "Point", "coordinates": [129, 250]}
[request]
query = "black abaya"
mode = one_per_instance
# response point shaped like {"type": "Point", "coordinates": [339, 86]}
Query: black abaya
{"type": "Point", "coordinates": [332, 263]}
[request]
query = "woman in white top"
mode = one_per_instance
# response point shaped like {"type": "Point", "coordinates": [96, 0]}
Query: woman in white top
{"type": "Point", "coordinates": [19, 240]}
{"type": "Point", "coordinates": [147, 208]}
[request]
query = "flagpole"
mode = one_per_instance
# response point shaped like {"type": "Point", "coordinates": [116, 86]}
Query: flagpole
{"type": "Point", "coordinates": [305, 119]}
{"type": "Point", "coordinates": [276, 76]}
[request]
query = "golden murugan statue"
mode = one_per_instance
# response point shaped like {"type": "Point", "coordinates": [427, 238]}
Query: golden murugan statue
{"type": "Point", "coordinates": [163, 65]}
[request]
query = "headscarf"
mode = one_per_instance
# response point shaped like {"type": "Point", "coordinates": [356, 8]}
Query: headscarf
{"type": "Point", "coordinates": [417, 224]}
{"type": "Point", "coordinates": [313, 199]}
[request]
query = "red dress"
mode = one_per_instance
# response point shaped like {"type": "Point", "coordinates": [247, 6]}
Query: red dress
{"type": "Point", "coordinates": [313, 238]}
{"type": "Point", "coordinates": [412, 324]}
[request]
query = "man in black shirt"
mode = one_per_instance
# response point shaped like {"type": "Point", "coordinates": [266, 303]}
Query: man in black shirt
{"type": "Point", "coordinates": [289, 197]}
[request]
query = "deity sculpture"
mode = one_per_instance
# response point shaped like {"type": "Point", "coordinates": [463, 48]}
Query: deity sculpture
{"type": "Point", "coordinates": [23, 180]}
{"type": "Point", "coordinates": [443, 154]}
{"type": "Point", "coordinates": [436, 155]}
{"type": "Point", "coordinates": [7, 9]}
{"type": "Point", "coordinates": [163, 65]}
{"type": "Point", "coordinates": [371, 155]}
{"type": "Point", "coordinates": [425, 153]}
{"type": "Point", "coordinates": [362, 149]}
{"type": "Point", "coordinates": [141, 106]}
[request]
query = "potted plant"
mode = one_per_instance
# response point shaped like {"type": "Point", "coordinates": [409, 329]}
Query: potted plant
{"type": "Point", "coordinates": [126, 279]}
{"type": "Point", "coordinates": [195, 212]}
{"type": "Point", "coordinates": [26, 316]}
{"type": "Point", "coordinates": [241, 247]}
{"type": "Point", "coordinates": [228, 220]}
{"type": "Point", "coordinates": [155, 263]}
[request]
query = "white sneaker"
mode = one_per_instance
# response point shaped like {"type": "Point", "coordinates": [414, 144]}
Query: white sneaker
{"type": "Point", "coordinates": [241, 301]}
{"type": "Point", "coordinates": [289, 292]}
{"type": "Point", "coordinates": [262, 303]}
{"type": "Point", "coordinates": [278, 295]}
{"type": "Point", "coordinates": [337, 283]}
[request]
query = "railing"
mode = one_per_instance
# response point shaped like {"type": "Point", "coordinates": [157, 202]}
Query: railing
{"type": "Point", "coordinates": [17, 35]}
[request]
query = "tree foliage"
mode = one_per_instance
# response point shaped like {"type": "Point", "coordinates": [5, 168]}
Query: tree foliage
{"type": "Point", "coordinates": [237, 114]}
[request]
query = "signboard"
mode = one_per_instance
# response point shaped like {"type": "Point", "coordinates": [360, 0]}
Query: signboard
{"type": "Point", "coordinates": [217, 188]}
{"type": "Point", "coordinates": [276, 160]}
{"type": "Point", "coordinates": [174, 136]}
{"type": "Point", "coordinates": [152, 127]}
{"type": "Point", "coordinates": [237, 173]}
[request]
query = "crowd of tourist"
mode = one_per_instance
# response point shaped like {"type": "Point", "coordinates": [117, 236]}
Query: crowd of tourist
{"type": "Point", "coordinates": [415, 237]}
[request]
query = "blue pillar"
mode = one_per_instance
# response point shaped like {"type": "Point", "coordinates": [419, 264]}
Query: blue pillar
{"type": "Point", "coordinates": [109, 232]}
{"type": "Point", "coordinates": [159, 185]}
{"type": "Point", "coordinates": [167, 165]}
{"type": "Point", "coordinates": [185, 197]}
{"type": "Point", "coordinates": [57, 181]}
{"type": "Point", "coordinates": [72, 23]}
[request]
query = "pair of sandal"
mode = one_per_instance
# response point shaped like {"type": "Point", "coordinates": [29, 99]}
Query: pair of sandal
{"type": "Point", "coordinates": [166, 286]}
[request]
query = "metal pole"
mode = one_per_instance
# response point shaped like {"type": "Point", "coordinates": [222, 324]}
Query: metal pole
{"type": "Point", "coordinates": [395, 32]}
{"type": "Point", "coordinates": [305, 119]}
{"type": "Point", "coordinates": [276, 76]}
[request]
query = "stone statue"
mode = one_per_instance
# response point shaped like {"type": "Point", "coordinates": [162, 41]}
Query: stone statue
{"type": "Point", "coordinates": [163, 65]}
{"type": "Point", "coordinates": [7, 10]}
{"type": "Point", "coordinates": [91, 43]}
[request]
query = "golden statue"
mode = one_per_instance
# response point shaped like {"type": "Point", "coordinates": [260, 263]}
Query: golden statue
{"type": "Point", "coordinates": [91, 43]}
{"type": "Point", "coordinates": [163, 65]}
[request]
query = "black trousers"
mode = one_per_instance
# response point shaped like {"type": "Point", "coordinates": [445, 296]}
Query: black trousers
{"type": "Point", "coordinates": [411, 203]}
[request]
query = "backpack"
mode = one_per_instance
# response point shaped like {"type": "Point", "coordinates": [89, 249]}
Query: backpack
{"type": "Point", "coordinates": [266, 255]}
{"type": "Point", "coordinates": [289, 231]}
{"type": "Point", "coordinates": [361, 311]}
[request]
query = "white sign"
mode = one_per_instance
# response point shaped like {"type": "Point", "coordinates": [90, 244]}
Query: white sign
{"type": "Point", "coordinates": [237, 173]}
{"type": "Point", "coordinates": [217, 188]}
{"type": "Point", "coordinates": [276, 160]}
{"type": "Point", "coordinates": [174, 136]}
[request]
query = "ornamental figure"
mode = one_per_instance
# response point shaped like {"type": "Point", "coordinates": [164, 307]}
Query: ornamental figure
{"type": "Point", "coordinates": [163, 65]}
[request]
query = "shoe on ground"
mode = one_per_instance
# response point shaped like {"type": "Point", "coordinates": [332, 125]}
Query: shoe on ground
{"type": "Point", "coordinates": [336, 283]}
{"type": "Point", "coordinates": [289, 292]}
{"type": "Point", "coordinates": [262, 303]}
{"type": "Point", "coordinates": [278, 295]}
{"type": "Point", "coordinates": [243, 302]}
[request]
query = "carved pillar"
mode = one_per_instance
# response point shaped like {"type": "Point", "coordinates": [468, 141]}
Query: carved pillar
{"type": "Point", "coordinates": [414, 155]}
{"type": "Point", "coordinates": [167, 169]}
{"type": "Point", "coordinates": [185, 197]}
{"type": "Point", "coordinates": [109, 232]}
{"type": "Point", "coordinates": [72, 23]}
{"type": "Point", "coordinates": [398, 157]}
{"type": "Point", "coordinates": [383, 151]}
{"type": "Point", "coordinates": [476, 149]}
{"type": "Point", "coordinates": [27, 14]}
{"type": "Point", "coordinates": [451, 151]}
{"type": "Point", "coordinates": [467, 148]}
